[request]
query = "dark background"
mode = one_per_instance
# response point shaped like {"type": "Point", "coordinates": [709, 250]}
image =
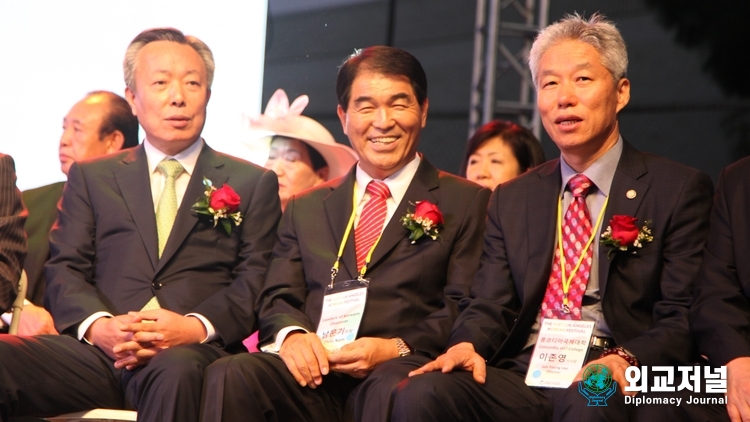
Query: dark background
{"type": "Point", "coordinates": [689, 96]}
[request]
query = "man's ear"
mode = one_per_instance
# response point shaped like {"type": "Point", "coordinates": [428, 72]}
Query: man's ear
{"type": "Point", "coordinates": [322, 173]}
{"type": "Point", "coordinates": [623, 93]}
{"type": "Point", "coordinates": [424, 108]}
{"type": "Point", "coordinates": [130, 97]}
{"type": "Point", "coordinates": [342, 117]}
{"type": "Point", "coordinates": [114, 141]}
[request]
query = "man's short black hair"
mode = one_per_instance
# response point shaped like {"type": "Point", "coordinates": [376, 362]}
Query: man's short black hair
{"type": "Point", "coordinates": [384, 60]}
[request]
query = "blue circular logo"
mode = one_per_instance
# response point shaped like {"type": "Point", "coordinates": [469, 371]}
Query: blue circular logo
{"type": "Point", "coordinates": [597, 378]}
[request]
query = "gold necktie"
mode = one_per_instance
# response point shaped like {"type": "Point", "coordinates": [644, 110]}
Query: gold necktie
{"type": "Point", "coordinates": [166, 211]}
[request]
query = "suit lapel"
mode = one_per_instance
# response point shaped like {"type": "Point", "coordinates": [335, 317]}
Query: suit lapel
{"type": "Point", "coordinates": [629, 170]}
{"type": "Point", "coordinates": [209, 165]}
{"type": "Point", "coordinates": [423, 187]}
{"type": "Point", "coordinates": [338, 208]}
{"type": "Point", "coordinates": [541, 208]}
{"type": "Point", "coordinates": [135, 185]}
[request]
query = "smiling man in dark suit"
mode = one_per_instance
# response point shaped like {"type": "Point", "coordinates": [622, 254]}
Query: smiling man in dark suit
{"type": "Point", "coordinates": [414, 286]}
{"type": "Point", "coordinates": [638, 297]}
{"type": "Point", "coordinates": [146, 291]}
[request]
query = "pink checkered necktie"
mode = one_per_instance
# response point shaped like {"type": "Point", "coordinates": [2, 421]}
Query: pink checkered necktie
{"type": "Point", "coordinates": [576, 231]}
{"type": "Point", "coordinates": [371, 221]}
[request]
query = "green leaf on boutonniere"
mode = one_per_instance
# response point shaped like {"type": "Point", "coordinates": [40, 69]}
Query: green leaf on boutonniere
{"type": "Point", "coordinates": [227, 226]}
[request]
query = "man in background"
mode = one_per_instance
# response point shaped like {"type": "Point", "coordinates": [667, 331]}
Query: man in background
{"type": "Point", "coordinates": [99, 124]}
{"type": "Point", "coordinates": [720, 314]}
{"type": "Point", "coordinates": [12, 240]}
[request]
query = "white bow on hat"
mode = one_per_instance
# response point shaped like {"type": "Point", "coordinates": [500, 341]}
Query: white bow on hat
{"type": "Point", "coordinates": [282, 119]}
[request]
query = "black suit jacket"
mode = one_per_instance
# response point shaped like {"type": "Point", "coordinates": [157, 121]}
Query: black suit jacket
{"type": "Point", "coordinates": [645, 296]}
{"type": "Point", "coordinates": [12, 237]}
{"type": "Point", "coordinates": [414, 289]}
{"type": "Point", "coordinates": [720, 316]}
{"type": "Point", "coordinates": [104, 244]}
{"type": "Point", "coordinates": [41, 204]}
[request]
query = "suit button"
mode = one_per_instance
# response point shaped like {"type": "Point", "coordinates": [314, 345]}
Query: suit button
{"type": "Point", "coordinates": [156, 285]}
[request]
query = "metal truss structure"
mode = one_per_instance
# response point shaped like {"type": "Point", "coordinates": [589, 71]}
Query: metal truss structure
{"type": "Point", "coordinates": [501, 85]}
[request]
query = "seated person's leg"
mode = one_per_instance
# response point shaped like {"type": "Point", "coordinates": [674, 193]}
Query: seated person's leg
{"type": "Point", "coordinates": [373, 399]}
{"type": "Point", "coordinates": [260, 384]}
{"type": "Point", "coordinates": [435, 396]}
{"type": "Point", "coordinates": [52, 375]}
{"type": "Point", "coordinates": [168, 387]}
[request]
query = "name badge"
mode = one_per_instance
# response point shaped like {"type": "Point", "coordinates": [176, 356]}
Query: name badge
{"type": "Point", "coordinates": [559, 353]}
{"type": "Point", "coordinates": [343, 306]}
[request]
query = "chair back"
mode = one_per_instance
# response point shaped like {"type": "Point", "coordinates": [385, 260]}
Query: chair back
{"type": "Point", "coordinates": [18, 303]}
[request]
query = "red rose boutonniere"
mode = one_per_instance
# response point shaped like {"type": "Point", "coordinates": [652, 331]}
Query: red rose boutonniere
{"type": "Point", "coordinates": [425, 220]}
{"type": "Point", "coordinates": [219, 204]}
{"type": "Point", "coordinates": [623, 234]}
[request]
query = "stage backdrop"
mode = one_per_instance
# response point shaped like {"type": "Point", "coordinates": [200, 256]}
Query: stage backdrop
{"type": "Point", "coordinates": [54, 52]}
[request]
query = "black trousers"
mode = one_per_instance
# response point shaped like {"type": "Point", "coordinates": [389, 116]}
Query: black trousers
{"type": "Point", "coordinates": [259, 387]}
{"type": "Point", "coordinates": [51, 375]}
{"type": "Point", "coordinates": [506, 397]}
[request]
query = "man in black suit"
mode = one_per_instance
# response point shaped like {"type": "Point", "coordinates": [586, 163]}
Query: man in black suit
{"type": "Point", "coordinates": [101, 123]}
{"type": "Point", "coordinates": [638, 297]}
{"type": "Point", "coordinates": [12, 239]}
{"type": "Point", "coordinates": [147, 291]}
{"type": "Point", "coordinates": [414, 286]}
{"type": "Point", "coordinates": [720, 315]}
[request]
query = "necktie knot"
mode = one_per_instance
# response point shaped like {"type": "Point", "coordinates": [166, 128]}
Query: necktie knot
{"type": "Point", "coordinates": [580, 185]}
{"type": "Point", "coordinates": [170, 168]}
{"type": "Point", "coordinates": [378, 188]}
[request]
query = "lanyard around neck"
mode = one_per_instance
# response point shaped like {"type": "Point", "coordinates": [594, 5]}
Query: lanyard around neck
{"type": "Point", "coordinates": [347, 232]}
{"type": "Point", "coordinates": [565, 281]}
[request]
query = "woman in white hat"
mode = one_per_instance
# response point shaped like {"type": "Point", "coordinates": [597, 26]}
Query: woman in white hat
{"type": "Point", "coordinates": [303, 153]}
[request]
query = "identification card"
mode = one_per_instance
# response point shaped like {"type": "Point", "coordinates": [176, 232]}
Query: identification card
{"type": "Point", "coordinates": [343, 306]}
{"type": "Point", "coordinates": [559, 353]}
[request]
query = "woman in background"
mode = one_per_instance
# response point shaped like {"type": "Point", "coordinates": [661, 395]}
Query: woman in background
{"type": "Point", "coordinates": [500, 151]}
{"type": "Point", "coordinates": [302, 153]}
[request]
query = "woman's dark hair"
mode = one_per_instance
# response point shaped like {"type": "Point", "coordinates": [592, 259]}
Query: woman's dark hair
{"type": "Point", "coordinates": [526, 148]}
{"type": "Point", "coordinates": [317, 160]}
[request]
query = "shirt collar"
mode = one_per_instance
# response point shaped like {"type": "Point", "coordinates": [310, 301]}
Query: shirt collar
{"type": "Point", "coordinates": [187, 157]}
{"type": "Point", "coordinates": [397, 183]}
{"type": "Point", "coordinates": [601, 172]}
